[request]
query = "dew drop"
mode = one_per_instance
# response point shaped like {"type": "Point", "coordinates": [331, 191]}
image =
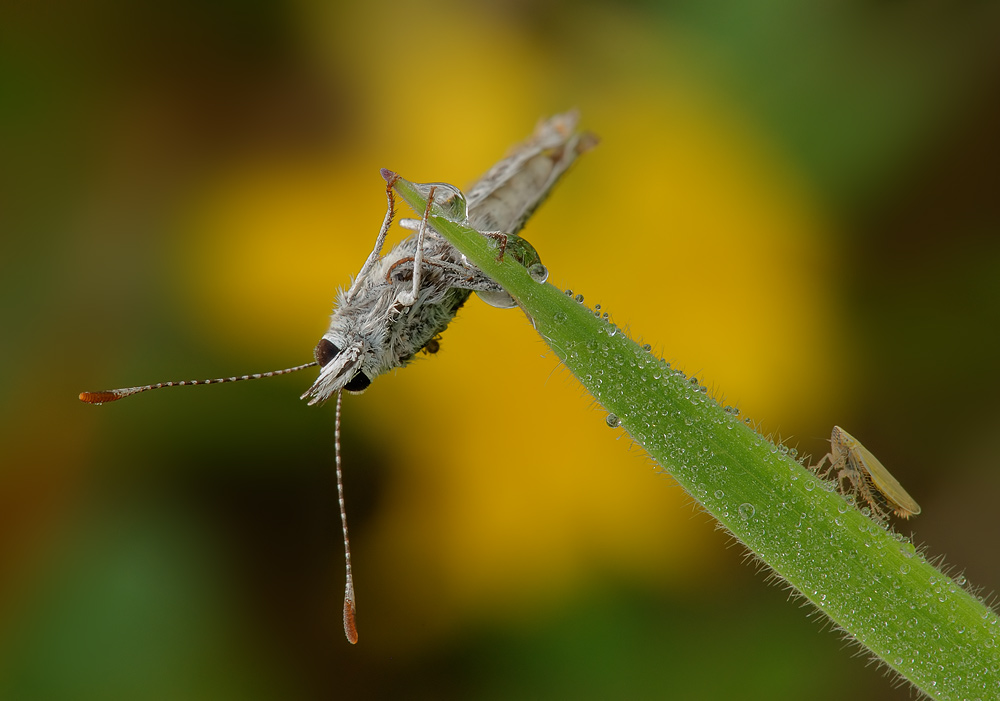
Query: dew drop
{"type": "Point", "coordinates": [746, 511]}
{"type": "Point", "coordinates": [579, 298]}
{"type": "Point", "coordinates": [497, 298]}
{"type": "Point", "coordinates": [449, 201]}
{"type": "Point", "coordinates": [538, 272]}
{"type": "Point", "coordinates": [613, 421]}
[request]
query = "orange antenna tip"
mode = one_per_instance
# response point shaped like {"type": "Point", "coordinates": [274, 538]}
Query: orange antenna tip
{"type": "Point", "coordinates": [350, 624]}
{"type": "Point", "coordinates": [98, 397]}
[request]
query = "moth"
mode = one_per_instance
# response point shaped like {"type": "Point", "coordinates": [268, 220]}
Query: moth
{"type": "Point", "coordinates": [867, 476]}
{"type": "Point", "coordinates": [400, 302]}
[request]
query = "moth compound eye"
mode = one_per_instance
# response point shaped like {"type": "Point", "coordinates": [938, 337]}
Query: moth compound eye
{"type": "Point", "coordinates": [358, 383]}
{"type": "Point", "coordinates": [325, 352]}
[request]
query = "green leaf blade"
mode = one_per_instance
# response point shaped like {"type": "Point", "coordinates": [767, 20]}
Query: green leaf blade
{"type": "Point", "coordinates": [869, 580]}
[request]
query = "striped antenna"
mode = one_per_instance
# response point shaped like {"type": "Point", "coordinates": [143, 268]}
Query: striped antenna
{"type": "Point", "coordinates": [112, 395]}
{"type": "Point", "coordinates": [350, 609]}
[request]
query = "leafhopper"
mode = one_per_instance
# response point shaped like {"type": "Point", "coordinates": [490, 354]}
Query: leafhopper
{"type": "Point", "coordinates": [867, 475]}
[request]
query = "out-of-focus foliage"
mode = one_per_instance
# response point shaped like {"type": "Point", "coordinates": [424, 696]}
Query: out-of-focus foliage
{"type": "Point", "coordinates": [183, 188]}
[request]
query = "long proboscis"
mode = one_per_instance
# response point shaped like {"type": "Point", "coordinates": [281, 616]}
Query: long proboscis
{"type": "Point", "coordinates": [112, 395]}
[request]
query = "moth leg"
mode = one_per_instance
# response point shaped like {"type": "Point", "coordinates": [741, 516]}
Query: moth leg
{"type": "Point", "coordinates": [407, 297]}
{"type": "Point", "coordinates": [473, 280]}
{"type": "Point", "coordinates": [399, 270]}
{"type": "Point", "coordinates": [501, 239]}
{"type": "Point", "coordinates": [373, 257]}
{"type": "Point", "coordinates": [451, 274]}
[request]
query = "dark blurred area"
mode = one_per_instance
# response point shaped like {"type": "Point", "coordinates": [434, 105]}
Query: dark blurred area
{"type": "Point", "coordinates": [795, 201]}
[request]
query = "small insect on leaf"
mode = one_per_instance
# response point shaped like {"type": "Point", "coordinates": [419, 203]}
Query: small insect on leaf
{"type": "Point", "coordinates": [868, 477]}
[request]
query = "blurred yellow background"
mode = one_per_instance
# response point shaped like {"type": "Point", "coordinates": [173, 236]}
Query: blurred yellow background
{"type": "Point", "coordinates": [795, 202]}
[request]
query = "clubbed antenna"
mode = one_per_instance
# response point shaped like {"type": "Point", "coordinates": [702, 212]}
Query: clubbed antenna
{"type": "Point", "coordinates": [350, 609]}
{"type": "Point", "coordinates": [112, 395]}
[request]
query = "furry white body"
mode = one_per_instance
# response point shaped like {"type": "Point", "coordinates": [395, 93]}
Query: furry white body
{"type": "Point", "coordinates": [385, 317]}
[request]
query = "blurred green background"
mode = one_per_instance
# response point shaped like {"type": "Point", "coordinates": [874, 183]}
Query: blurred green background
{"type": "Point", "coordinates": [795, 201]}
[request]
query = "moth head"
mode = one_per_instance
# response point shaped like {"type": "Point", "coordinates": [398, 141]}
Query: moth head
{"type": "Point", "coordinates": [340, 368]}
